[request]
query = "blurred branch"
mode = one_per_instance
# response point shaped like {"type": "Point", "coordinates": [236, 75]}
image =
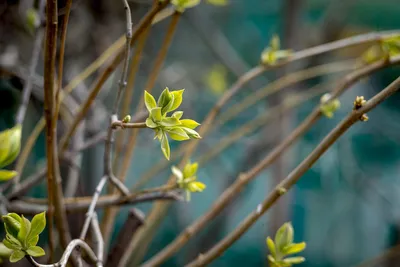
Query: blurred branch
{"type": "Point", "coordinates": [295, 175]}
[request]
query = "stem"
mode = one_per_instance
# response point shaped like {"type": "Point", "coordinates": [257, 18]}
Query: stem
{"type": "Point", "coordinates": [243, 179]}
{"type": "Point", "coordinates": [295, 175]}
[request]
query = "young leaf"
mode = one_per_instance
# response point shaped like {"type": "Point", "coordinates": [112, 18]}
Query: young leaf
{"type": "Point", "coordinates": [284, 236]}
{"type": "Point", "coordinates": [155, 114]}
{"type": "Point", "coordinates": [17, 255]}
{"type": "Point", "coordinates": [12, 224]}
{"type": "Point", "coordinates": [32, 241]}
{"type": "Point", "coordinates": [38, 224]}
{"type": "Point", "coordinates": [189, 123]}
{"type": "Point", "coordinates": [165, 109]}
{"type": "Point", "coordinates": [191, 133]}
{"type": "Point", "coordinates": [11, 245]}
{"type": "Point", "coordinates": [170, 122]}
{"type": "Point", "coordinates": [177, 134]}
{"type": "Point", "coordinates": [35, 251]}
{"type": "Point", "coordinates": [10, 144]}
{"type": "Point", "coordinates": [177, 99]}
{"type": "Point", "coordinates": [149, 101]}
{"type": "Point", "coordinates": [13, 240]}
{"type": "Point", "coordinates": [5, 251]}
{"type": "Point", "coordinates": [164, 98]}
{"type": "Point", "coordinates": [190, 169]}
{"type": "Point", "coordinates": [271, 247]}
{"type": "Point", "coordinates": [150, 123]}
{"type": "Point", "coordinates": [294, 260]}
{"type": "Point", "coordinates": [177, 114]}
{"type": "Point", "coordinates": [6, 175]}
{"type": "Point", "coordinates": [165, 145]}
{"type": "Point", "coordinates": [177, 172]}
{"type": "Point", "coordinates": [294, 248]}
{"type": "Point", "coordinates": [24, 231]}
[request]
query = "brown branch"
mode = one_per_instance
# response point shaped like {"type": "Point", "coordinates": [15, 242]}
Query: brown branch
{"type": "Point", "coordinates": [295, 175]}
{"type": "Point", "coordinates": [244, 179]}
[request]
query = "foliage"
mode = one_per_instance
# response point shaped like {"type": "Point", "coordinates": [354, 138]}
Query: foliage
{"type": "Point", "coordinates": [384, 49]}
{"type": "Point", "coordinates": [22, 235]}
{"type": "Point", "coordinates": [283, 246]}
{"type": "Point", "coordinates": [187, 179]}
{"type": "Point", "coordinates": [329, 106]}
{"type": "Point", "coordinates": [10, 145]}
{"type": "Point", "coordinates": [158, 120]}
{"type": "Point", "coordinates": [273, 54]}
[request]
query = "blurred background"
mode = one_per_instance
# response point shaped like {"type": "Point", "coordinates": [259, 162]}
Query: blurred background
{"type": "Point", "coordinates": [345, 207]}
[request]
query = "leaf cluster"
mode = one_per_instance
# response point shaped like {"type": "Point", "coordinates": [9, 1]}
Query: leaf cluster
{"type": "Point", "coordinates": [273, 54]}
{"type": "Point", "coordinates": [22, 235]}
{"type": "Point", "coordinates": [187, 179]}
{"type": "Point", "coordinates": [385, 49]}
{"type": "Point", "coordinates": [178, 129]}
{"type": "Point", "coordinates": [283, 246]}
{"type": "Point", "coordinates": [329, 106]}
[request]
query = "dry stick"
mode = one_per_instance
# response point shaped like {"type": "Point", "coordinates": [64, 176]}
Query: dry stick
{"type": "Point", "coordinates": [244, 179]}
{"type": "Point", "coordinates": [30, 207]}
{"type": "Point", "coordinates": [145, 234]}
{"type": "Point", "coordinates": [76, 243]}
{"type": "Point", "coordinates": [295, 175]}
{"type": "Point", "coordinates": [98, 240]}
{"type": "Point", "coordinates": [107, 72]}
{"type": "Point", "coordinates": [271, 88]}
{"type": "Point", "coordinates": [108, 175]}
{"type": "Point", "coordinates": [109, 221]}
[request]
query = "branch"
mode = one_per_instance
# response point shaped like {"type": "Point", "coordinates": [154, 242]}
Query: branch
{"type": "Point", "coordinates": [244, 179]}
{"type": "Point", "coordinates": [295, 175]}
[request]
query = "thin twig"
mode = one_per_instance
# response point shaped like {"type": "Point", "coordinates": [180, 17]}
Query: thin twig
{"type": "Point", "coordinates": [295, 175]}
{"type": "Point", "coordinates": [244, 179]}
{"type": "Point", "coordinates": [98, 240]}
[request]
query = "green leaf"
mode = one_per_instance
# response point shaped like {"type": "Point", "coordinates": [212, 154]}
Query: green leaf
{"type": "Point", "coordinates": [12, 224]}
{"type": "Point", "coordinates": [32, 241]}
{"type": "Point", "coordinates": [168, 106]}
{"type": "Point", "coordinates": [149, 101]}
{"type": "Point", "coordinates": [24, 231]}
{"type": "Point", "coordinates": [35, 251]}
{"type": "Point", "coordinates": [150, 123]}
{"type": "Point", "coordinates": [38, 224]}
{"type": "Point", "coordinates": [155, 114]}
{"type": "Point", "coordinates": [177, 99]}
{"type": "Point", "coordinates": [11, 245]}
{"type": "Point", "coordinates": [164, 98]}
{"type": "Point", "coordinates": [271, 247]}
{"type": "Point", "coordinates": [190, 123]}
{"type": "Point", "coordinates": [170, 122]}
{"type": "Point", "coordinates": [177, 114]}
{"type": "Point", "coordinates": [5, 252]}
{"type": "Point", "coordinates": [190, 170]}
{"type": "Point", "coordinates": [284, 236]}
{"type": "Point", "coordinates": [13, 240]}
{"type": "Point", "coordinates": [191, 133]}
{"type": "Point", "coordinates": [294, 248]}
{"type": "Point", "coordinates": [294, 260]}
{"type": "Point", "coordinates": [17, 255]}
{"type": "Point", "coordinates": [6, 175]}
{"type": "Point", "coordinates": [165, 145]}
{"type": "Point", "coordinates": [177, 134]}
{"type": "Point", "coordinates": [10, 144]}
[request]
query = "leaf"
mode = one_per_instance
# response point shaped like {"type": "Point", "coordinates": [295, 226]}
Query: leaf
{"type": "Point", "coordinates": [191, 133]}
{"type": "Point", "coordinates": [16, 255]}
{"type": "Point", "coordinates": [196, 186]}
{"type": "Point", "coordinates": [24, 231]}
{"type": "Point", "coordinates": [10, 144]}
{"type": "Point", "coordinates": [168, 106]}
{"type": "Point", "coordinates": [150, 123]}
{"type": "Point", "coordinates": [12, 224]}
{"type": "Point", "coordinates": [190, 169]}
{"type": "Point", "coordinates": [5, 251]}
{"type": "Point", "coordinates": [32, 241]}
{"type": "Point", "coordinates": [284, 236]}
{"type": "Point", "coordinates": [275, 43]}
{"type": "Point", "coordinates": [6, 175]}
{"type": "Point", "coordinates": [13, 240]}
{"type": "Point", "coordinates": [38, 224]}
{"type": "Point", "coordinates": [294, 248]}
{"type": "Point", "coordinates": [294, 260]}
{"type": "Point", "coordinates": [271, 247]}
{"type": "Point", "coordinates": [11, 245]}
{"type": "Point", "coordinates": [177, 172]}
{"type": "Point", "coordinates": [170, 122]}
{"type": "Point", "coordinates": [177, 99]}
{"type": "Point", "coordinates": [164, 98]}
{"type": "Point", "coordinates": [149, 101]}
{"type": "Point", "coordinates": [35, 251]}
{"type": "Point", "coordinates": [165, 145]}
{"type": "Point", "coordinates": [177, 134]}
{"type": "Point", "coordinates": [177, 114]}
{"type": "Point", "coordinates": [189, 123]}
{"type": "Point", "coordinates": [155, 114]}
